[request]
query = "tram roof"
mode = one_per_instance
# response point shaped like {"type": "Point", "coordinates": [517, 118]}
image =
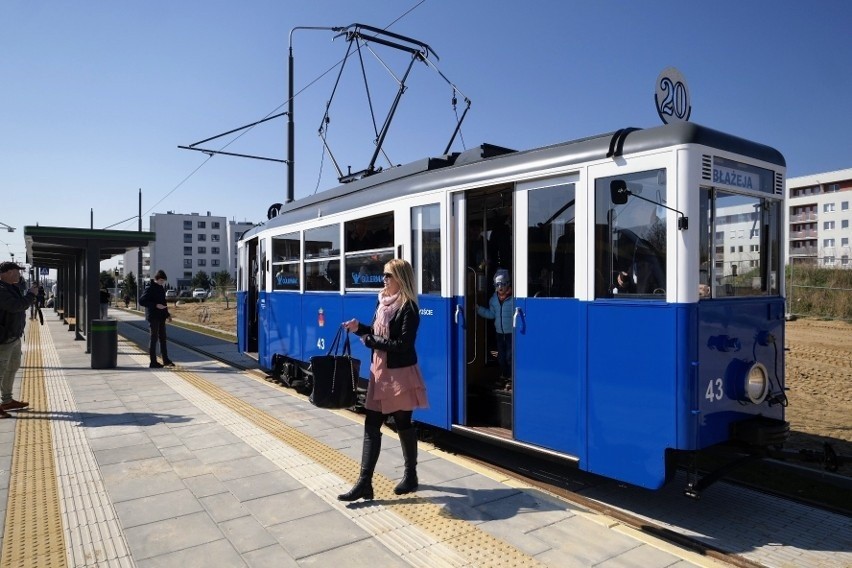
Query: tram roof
{"type": "Point", "coordinates": [481, 163]}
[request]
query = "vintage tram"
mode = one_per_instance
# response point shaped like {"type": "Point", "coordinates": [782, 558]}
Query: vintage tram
{"type": "Point", "coordinates": [647, 275]}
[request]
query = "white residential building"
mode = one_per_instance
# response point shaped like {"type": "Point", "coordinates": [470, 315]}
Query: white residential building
{"type": "Point", "coordinates": [819, 219]}
{"type": "Point", "coordinates": [187, 244]}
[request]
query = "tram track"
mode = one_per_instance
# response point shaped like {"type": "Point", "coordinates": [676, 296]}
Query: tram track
{"type": "Point", "coordinates": [567, 483]}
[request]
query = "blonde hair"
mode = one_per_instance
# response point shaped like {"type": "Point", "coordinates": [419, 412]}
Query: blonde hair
{"type": "Point", "coordinates": [404, 275]}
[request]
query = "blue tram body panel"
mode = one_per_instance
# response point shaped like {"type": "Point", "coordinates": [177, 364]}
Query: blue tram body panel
{"type": "Point", "coordinates": [433, 355]}
{"type": "Point", "coordinates": [632, 386]}
{"type": "Point", "coordinates": [732, 335]}
{"type": "Point", "coordinates": [550, 388]}
{"type": "Point", "coordinates": [242, 321]}
{"type": "Point", "coordinates": [264, 330]}
{"type": "Point", "coordinates": [321, 317]}
{"type": "Point", "coordinates": [285, 332]}
{"type": "Point", "coordinates": [361, 307]}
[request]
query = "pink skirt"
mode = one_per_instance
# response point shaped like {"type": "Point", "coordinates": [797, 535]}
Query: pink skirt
{"type": "Point", "coordinates": [391, 390]}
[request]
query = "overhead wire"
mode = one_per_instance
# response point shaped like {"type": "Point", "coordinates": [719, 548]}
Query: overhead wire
{"type": "Point", "coordinates": [210, 156]}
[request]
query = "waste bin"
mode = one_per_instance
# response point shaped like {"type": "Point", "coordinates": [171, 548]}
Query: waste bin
{"type": "Point", "coordinates": [104, 334]}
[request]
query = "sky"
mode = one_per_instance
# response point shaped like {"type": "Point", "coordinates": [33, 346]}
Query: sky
{"type": "Point", "coordinates": [96, 96]}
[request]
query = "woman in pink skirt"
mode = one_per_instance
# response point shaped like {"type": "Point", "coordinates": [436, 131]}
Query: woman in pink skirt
{"type": "Point", "coordinates": [396, 386]}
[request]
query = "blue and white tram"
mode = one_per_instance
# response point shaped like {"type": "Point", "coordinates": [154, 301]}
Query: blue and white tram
{"type": "Point", "coordinates": [647, 275]}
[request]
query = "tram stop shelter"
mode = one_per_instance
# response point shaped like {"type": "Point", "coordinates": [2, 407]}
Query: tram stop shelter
{"type": "Point", "coordinates": [76, 255]}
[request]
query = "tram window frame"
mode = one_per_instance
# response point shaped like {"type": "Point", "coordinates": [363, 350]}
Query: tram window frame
{"type": "Point", "coordinates": [642, 254]}
{"type": "Point", "coordinates": [364, 258]}
{"type": "Point", "coordinates": [262, 260]}
{"type": "Point", "coordinates": [377, 233]}
{"type": "Point", "coordinates": [322, 263]}
{"type": "Point", "coordinates": [286, 261]}
{"type": "Point", "coordinates": [552, 209]}
{"type": "Point", "coordinates": [745, 275]}
{"type": "Point", "coordinates": [427, 255]}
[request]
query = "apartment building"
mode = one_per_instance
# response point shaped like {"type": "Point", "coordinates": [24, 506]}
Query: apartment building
{"type": "Point", "coordinates": [187, 244]}
{"type": "Point", "coordinates": [819, 218]}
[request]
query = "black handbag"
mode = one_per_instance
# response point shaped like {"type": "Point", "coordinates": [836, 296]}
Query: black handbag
{"type": "Point", "coordinates": [335, 375]}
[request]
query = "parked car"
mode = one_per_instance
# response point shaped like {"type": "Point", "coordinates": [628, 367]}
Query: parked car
{"type": "Point", "coordinates": [171, 294]}
{"type": "Point", "coordinates": [199, 293]}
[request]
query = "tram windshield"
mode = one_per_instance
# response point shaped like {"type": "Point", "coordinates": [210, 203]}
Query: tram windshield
{"type": "Point", "coordinates": [630, 237]}
{"type": "Point", "coordinates": [742, 236]}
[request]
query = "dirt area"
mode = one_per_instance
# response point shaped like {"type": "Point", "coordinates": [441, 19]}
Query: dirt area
{"type": "Point", "coordinates": [819, 379]}
{"type": "Point", "coordinates": [211, 313]}
{"type": "Point", "coordinates": [819, 375]}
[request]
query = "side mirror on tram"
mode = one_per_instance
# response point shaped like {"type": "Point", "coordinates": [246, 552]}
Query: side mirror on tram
{"type": "Point", "coordinates": [618, 191]}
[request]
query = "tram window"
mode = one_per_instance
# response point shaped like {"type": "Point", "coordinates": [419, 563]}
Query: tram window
{"type": "Point", "coordinates": [262, 266]}
{"type": "Point", "coordinates": [368, 233]}
{"type": "Point", "coordinates": [285, 261]}
{"type": "Point", "coordinates": [285, 276]}
{"type": "Point", "coordinates": [365, 270]}
{"type": "Point", "coordinates": [285, 247]}
{"type": "Point", "coordinates": [322, 242]}
{"type": "Point", "coordinates": [322, 276]}
{"type": "Point", "coordinates": [322, 259]}
{"type": "Point", "coordinates": [630, 238]}
{"type": "Point", "coordinates": [705, 241]}
{"type": "Point", "coordinates": [753, 272]}
{"type": "Point", "coordinates": [426, 248]}
{"type": "Point", "coordinates": [550, 254]}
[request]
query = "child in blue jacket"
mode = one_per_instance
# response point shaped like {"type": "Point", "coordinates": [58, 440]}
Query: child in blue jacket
{"type": "Point", "coordinates": [501, 308]}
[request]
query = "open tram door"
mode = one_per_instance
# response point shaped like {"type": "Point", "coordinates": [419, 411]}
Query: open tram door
{"type": "Point", "coordinates": [252, 275]}
{"type": "Point", "coordinates": [482, 221]}
{"type": "Point", "coordinates": [548, 396]}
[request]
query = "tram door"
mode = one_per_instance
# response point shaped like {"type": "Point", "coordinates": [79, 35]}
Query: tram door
{"type": "Point", "coordinates": [547, 320]}
{"type": "Point", "coordinates": [251, 297]}
{"type": "Point", "coordinates": [485, 248]}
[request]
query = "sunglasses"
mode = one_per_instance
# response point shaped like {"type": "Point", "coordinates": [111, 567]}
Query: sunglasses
{"type": "Point", "coordinates": [387, 276]}
{"type": "Point", "coordinates": [501, 285]}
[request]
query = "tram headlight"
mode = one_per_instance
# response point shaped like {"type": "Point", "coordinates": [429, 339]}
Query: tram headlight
{"type": "Point", "coordinates": [756, 385]}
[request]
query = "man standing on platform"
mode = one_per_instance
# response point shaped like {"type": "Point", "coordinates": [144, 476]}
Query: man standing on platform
{"type": "Point", "coordinates": [157, 314]}
{"type": "Point", "coordinates": [14, 304]}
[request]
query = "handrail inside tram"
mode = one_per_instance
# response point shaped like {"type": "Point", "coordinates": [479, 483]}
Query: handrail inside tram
{"type": "Point", "coordinates": [475, 324]}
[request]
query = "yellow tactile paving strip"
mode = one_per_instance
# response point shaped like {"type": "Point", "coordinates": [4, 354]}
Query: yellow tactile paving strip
{"type": "Point", "coordinates": [474, 546]}
{"type": "Point", "coordinates": [33, 535]}
{"type": "Point", "coordinates": [477, 546]}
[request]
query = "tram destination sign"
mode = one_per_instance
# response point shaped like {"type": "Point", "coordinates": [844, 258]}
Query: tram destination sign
{"type": "Point", "coordinates": [741, 176]}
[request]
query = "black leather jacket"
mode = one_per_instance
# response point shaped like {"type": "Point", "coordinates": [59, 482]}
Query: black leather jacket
{"type": "Point", "coordinates": [400, 344]}
{"type": "Point", "coordinates": [154, 294]}
{"type": "Point", "coordinates": [13, 310]}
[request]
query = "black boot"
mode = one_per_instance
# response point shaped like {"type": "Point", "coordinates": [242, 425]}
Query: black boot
{"type": "Point", "coordinates": [408, 440]}
{"type": "Point", "coordinates": [363, 488]}
{"type": "Point", "coordinates": [152, 354]}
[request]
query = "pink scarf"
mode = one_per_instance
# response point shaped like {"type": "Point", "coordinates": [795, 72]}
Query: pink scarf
{"type": "Point", "coordinates": [388, 306]}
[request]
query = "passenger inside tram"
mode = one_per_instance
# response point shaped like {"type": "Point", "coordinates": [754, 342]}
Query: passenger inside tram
{"type": "Point", "coordinates": [638, 266]}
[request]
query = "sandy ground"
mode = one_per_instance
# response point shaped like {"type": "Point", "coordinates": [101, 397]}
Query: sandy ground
{"type": "Point", "coordinates": [819, 382]}
{"type": "Point", "coordinates": [211, 313]}
{"type": "Point", "coordinates": [819, 375]}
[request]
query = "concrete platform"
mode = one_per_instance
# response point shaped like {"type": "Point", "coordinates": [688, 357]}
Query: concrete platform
{"type": "Point", "coordinates": [202, 465]}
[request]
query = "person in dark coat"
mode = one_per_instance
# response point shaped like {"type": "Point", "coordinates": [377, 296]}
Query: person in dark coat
{"type": "Point", "coordinates": [157, 314]}
{"type": "Point", "coordinates": [14, 303]}
{"type": "Point", "coordinates": [104, 298]}
{"type": "Point", "coordinates": [396, 385]}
